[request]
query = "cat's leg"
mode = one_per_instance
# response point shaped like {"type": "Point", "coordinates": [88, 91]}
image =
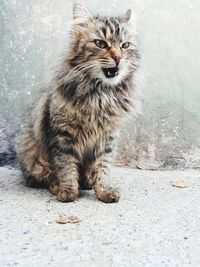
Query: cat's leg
{"type": "Point", "coordinates": [54, 185]}
{"type": "Point", "coordinates": [105, 194]}
{"type": "Point", "coordinates": [100, 170]}
{"type": "Point", "coordinates": [66, 166]}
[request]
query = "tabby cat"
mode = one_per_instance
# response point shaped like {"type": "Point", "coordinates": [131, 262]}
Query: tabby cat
{"type": "Point", "coordinates": [67, 139]}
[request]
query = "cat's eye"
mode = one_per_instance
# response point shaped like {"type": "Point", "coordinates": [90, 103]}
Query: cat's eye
{"type": "Point", "coordinates": [125, 45]}
{"type": "Point", "coordinates": [101, 44]}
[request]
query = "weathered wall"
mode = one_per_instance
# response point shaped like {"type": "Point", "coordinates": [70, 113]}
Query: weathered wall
{"type": "Point", "coordinates": [34, 32]}
{"type": "Point", "coordinates": [168, 133]}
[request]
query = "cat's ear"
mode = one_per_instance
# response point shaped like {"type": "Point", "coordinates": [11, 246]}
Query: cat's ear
{"type": "Point", "coordinates": [129, 16]}
{"type": "Point", "coordinates": [81, 13]}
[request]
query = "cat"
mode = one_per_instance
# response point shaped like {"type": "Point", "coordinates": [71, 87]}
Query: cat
{"type": "Point", "coordinates": [67, 139]}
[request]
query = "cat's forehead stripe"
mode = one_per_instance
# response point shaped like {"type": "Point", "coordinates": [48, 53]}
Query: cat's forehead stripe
{"type": "Point", "coordinates": [111, 28]}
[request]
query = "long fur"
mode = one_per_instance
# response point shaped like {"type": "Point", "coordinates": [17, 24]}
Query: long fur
{"type": "Point", "coordinates": [67, 138]}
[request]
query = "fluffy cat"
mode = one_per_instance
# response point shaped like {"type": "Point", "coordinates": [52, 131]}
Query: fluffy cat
{"type": "Point", "coordinates": [67, 138]}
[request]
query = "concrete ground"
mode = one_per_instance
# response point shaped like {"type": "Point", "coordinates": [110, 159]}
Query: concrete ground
{"type": "Point", "coordinates": [154, 224]}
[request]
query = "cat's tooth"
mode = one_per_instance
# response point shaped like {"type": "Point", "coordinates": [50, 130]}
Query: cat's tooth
{"type": "Point", "coordinates": [109, 73]}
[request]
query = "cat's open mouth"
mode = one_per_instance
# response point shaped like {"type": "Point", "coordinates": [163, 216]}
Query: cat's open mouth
{"type": "Point", "coordinates": [110, 72]}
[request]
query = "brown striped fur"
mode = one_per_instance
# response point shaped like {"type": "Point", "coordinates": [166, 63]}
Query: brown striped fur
{"type": "Point", "coordinates": [67, 138]}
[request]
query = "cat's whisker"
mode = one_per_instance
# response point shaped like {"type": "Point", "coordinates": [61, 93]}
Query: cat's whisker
{"type": "Point", "coordinates": [106, 61]}
{"type": "Point", "coordinates": [72, 71]}
{"type": "Point", "coordinates": [76, 72]}
{"type": "Point", "coordinates": [84, 67]}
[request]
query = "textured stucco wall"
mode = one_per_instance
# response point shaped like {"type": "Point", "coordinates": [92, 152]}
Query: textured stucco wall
{"type": "Point", "coordinates": [167, 134]}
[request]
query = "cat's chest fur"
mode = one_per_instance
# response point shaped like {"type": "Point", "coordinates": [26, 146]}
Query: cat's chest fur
{"type": "Point", "coordinates": [98, 109]}
{"type": "Point", "coordinates": [90, 120]}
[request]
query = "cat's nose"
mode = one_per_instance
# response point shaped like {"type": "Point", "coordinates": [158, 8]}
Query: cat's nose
{"type": "Point", "coordinates": [116, 55]}
{"type": "Point", "coordinates": [117, 60]}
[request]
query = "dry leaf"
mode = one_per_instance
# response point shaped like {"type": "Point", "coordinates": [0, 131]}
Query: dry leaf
{"type": "Point", "coordinates": [70, 219]}
{"type": "Point", "coordinates": [180, 184]}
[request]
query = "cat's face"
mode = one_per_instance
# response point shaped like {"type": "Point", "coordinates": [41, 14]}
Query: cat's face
{"type": "Point", "coordinates": [104, 46]}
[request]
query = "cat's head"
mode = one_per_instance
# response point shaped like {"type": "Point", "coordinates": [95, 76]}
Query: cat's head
{"type": "Point", "coordinates": [104, 47]}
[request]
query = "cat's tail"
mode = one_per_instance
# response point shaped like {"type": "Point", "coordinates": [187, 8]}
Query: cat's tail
{"type": "Point", "coordinates": [8, 155]}
{"type": "Point", "coordinates": [8, 158]}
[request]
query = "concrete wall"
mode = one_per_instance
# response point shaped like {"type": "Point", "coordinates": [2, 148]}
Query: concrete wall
{"type": "Point", "coordinates": [167, 134]}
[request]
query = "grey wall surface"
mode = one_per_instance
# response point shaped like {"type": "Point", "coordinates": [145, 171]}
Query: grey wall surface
{"type": "Point", "coordinates": [167, 134]}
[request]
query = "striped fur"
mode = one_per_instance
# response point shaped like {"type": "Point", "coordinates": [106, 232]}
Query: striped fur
{"type": "Point", "coordinates": [67, 139]}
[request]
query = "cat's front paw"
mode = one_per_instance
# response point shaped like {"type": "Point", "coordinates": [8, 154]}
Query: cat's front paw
{"type": "Point", "coordinates": [54, 187]}
{"type": "Point", "coordinates": [67, 195]}
{"type": "Point", "coordinates": [109, 195]}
